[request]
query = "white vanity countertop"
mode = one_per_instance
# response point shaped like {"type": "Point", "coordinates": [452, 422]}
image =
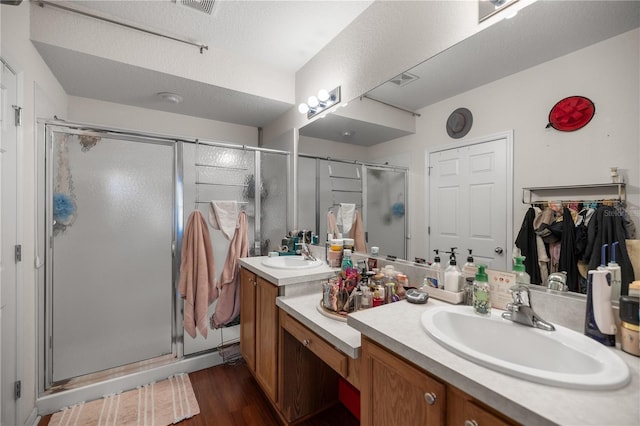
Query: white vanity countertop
{"type": "Point", "coordinates": [305, 309]}
{"type": "Point", "coordinates": [282, 277]}
{"type": "Point", "coordinates": [397, 326]}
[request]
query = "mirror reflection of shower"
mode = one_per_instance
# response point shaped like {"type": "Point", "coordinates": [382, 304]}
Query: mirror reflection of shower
{"type": "Point", "coordinates": [379, 192]}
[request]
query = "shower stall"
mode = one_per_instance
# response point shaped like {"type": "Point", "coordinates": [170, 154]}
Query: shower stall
{"type": "Point", "coordinates": [379, 192]}
{"type": "Point", "coordinates": [110, 235]}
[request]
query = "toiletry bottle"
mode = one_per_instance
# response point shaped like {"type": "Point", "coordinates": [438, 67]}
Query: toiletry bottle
{"type": "Point", "coordinates": [436, 268]}
{"type": "Point", "coordinates": [452, 275]}
{"type": "Point", "coordinates": [614, 268]}
{"type": "Point", "coordinates": [365, 299]}
{"type": "Point", "coordinates": [599, 322]}
{"type": "Point", "coordinates": [347, 263]}
{"type": "Point", "coordinates": [481, 296]}
{"type": "Point", "coordinates": [521, 273]}
{"type": "Point", "coordinates": [469, 269]}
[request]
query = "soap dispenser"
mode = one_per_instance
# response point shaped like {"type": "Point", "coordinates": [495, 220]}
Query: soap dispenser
{"type": "Point", "coordinates": [453, 275]}
{"type": "Point", "coordinates": [469, 269]}
{"type": "Point", "coordinates": [481, 296]}
{"type": "Point", "coordinates": [521, 273]}
{"type": "Point", "coordinates": [436, 270]}
{"type": "Point", "coordinates": [599, 322]}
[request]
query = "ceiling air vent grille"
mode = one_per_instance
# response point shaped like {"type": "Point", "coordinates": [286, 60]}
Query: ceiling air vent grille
{"type": "Point", "coordinates": [403, 79]}
{"type": "Point", "coordinates": [205, 6]}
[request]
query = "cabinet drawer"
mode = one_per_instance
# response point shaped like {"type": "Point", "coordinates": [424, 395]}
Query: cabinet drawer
{"type": "Point", "coordinates": [331, 356]}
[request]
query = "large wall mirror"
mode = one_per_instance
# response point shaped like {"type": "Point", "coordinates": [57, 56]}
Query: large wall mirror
{"type": "Point", "coordinates": [509, 76]}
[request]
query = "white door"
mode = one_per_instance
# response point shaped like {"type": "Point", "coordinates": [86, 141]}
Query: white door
{"type": "Point", "coordinates": [470, 201]}
{"type": "Point", "coordinates": [8, 242]}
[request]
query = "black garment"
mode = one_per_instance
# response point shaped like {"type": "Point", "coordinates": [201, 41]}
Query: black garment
{"type": "Point", "coordinates": [526, 242]}
{"type": "Point", "coordinates": [568, 261]}
{"type": "Point", "coordinates": [606, 227]}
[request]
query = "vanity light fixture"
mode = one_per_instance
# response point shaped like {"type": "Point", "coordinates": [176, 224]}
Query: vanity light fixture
{"type": "Point", "coordinates": [323, 101]}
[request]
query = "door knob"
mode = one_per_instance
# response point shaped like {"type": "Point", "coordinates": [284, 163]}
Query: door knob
{"type": "Point", "coordinates": [499, 250]}
{"type": "Point", "coordinates": [430, 397]}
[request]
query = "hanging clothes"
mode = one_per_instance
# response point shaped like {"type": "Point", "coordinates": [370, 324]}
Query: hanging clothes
{"type": "Point", "coordinates": [527, 243]}
{"type": "Point", "coordinates": [607, 227]}
{"type": "Point", "coordinates": [228, 307]}
{"type": "Point", "coordinates": [197, 275]}
{"type": "Point", "coordinates": [568, 261]}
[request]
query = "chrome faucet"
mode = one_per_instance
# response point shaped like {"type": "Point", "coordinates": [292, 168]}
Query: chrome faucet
{"type": "Point", "coordinates": [521, 311]}
{"type": "Point", "coordinates": [305, 252]}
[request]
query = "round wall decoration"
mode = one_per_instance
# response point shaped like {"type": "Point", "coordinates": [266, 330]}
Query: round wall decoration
{"type": "Point", "coordinates": [571, 113]}
{"type": "Point", "coordinates": [459, 123]}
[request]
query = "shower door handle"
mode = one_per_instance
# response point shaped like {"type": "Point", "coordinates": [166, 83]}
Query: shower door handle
{"type": "Point", "coordinates": [173, 249]}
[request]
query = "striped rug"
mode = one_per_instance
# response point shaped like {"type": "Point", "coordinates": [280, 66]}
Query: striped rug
{"type": "Point", "coordinates": [156, 404]}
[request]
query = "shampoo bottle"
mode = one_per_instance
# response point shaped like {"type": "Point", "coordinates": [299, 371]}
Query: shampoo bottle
{"type": "Point", "coordinates": [481, 296]}
{"type": "Point", "coordinates": [521, 274]}
{"type": "Point", "coordinates": [436, 269]}
{"type": "Point", "coordinates": [469, 273]}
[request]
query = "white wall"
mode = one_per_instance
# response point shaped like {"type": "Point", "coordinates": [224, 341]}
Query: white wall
{"type": "Point", "coordinates": [109, 114]}
{"type": "Point", "coordinates": [607, 73]}
{"type": "Point", "coordinates": [40, 96]}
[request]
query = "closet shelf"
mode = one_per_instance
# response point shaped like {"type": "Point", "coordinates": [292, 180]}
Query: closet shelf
{"type": "Point", "coordinates": [575, 193]}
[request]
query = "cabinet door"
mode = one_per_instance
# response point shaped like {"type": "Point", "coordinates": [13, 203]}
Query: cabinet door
{"type": "Point", "coordinates": [248, 317]}
{"type": "Point", "coordinates": [267, 337]}
{"type": "Point", "coordinates": [394, 392]}
{"type": "Point", "coordinates": [464, 410]}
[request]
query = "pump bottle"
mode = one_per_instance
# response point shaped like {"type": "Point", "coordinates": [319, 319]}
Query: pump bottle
{"type": "Point", "coordinates": [614, 269]}
{"type": "Point", "coordinates": [522, 277]}
{"type": "Point", "coordinates": [469, 273]}
{"type": "Point", "coordinates": [481, 296]}
{"type": "Point", "coordinates": [436, 269]}
{"type": "Point", "coordinates": [452, 275]}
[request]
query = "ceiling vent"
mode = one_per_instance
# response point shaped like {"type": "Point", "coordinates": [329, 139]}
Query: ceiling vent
{"type": "Point", "coordinates": [403, 79]}
{"type": "Point", "coordinates": [205, 6]}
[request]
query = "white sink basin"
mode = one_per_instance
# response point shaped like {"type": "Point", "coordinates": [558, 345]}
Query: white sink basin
{"type": "Point", "coordinates": [562, 357]}
{"type": "Point", "coordinates": [291, 262]}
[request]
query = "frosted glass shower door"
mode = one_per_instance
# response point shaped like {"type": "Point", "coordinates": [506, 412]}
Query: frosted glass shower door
{"type": "Point", "coordinates": [111, 288]}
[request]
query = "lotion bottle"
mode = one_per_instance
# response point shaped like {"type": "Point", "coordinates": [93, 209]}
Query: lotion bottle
{"type": "Point", "coordinates": [453, 275]}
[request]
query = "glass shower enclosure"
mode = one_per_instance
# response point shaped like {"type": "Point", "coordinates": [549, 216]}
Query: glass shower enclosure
{"type": "Point", "coordinates": [115, 204]}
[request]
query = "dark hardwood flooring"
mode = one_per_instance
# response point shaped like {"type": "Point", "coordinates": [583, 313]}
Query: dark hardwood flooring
{"type": "Point", "coordinates": [229, 395]}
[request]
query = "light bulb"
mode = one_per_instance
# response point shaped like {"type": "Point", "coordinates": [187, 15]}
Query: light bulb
{"type": "Point", "coordinates": [313, 101]}
{"type": "Point", "coordinates": [303, 108]}
{"type": "Point", "coordinates": [323, 95]}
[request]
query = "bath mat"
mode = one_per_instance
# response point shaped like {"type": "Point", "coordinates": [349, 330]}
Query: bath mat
{"type": "Point", "coordinates": [155, 404]}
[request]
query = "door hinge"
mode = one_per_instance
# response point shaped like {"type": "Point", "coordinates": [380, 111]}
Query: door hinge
{"type": "Point", "coordinates": [18, 115]}
{"type": "Point", "coordinates": [18, 251]}
{"type": "Point", "coordinates": [18, 389]}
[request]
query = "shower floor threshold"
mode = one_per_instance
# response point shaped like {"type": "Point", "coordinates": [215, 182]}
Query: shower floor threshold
{"type": "Point", "coordinates": [112, 373]}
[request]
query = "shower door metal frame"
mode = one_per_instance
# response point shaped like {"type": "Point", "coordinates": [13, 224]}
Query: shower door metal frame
{"type": "Point", "coordinates": [44, 246]}
{"type": "Point", "coordinates": [50, 129]}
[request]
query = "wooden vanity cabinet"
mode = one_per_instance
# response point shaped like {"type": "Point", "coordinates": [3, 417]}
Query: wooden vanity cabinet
{"type": "Point", "coordinates": [394, 392]}
{"type": "Point", "coordinates": [259, 330]}
{"type": "Point", "coordinates": [464, 410]}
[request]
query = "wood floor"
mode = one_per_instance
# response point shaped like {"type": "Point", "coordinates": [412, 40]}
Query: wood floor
{"type": "Point", "coordinates": [229, 395]}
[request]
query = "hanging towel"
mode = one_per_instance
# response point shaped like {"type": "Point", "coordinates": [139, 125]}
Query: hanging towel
{"type": "Point", "coordinates": [223, 215]}
{"type": "Point", "coordinates": [346, 214]}
{"type": "Point", "coordinates": [357, 233]}
{"type": "Point", "coordinates": [228, 306]}
{"type": "Point", "coordinates": [197, 275]}
{"type": "Point", "coordinates": [332, 227]}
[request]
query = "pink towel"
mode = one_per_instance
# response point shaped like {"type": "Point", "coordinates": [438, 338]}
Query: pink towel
{"type": "Point", "coordinates": [332, 227]}
{"type": "Point", "coordinates": [197, 275]}
{"type": "Point", "coordinates": [357, 233]}
{"type": "Point", "coordinates": [228, 306]}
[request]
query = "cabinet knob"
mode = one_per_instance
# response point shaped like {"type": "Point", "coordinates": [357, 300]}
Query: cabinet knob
{"type": "Point", "coordinates": [306, 342]}
{"type": "Point", "coordinates": [470, 422]}
{"type": "Point", "coordinates": [430, 397]}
